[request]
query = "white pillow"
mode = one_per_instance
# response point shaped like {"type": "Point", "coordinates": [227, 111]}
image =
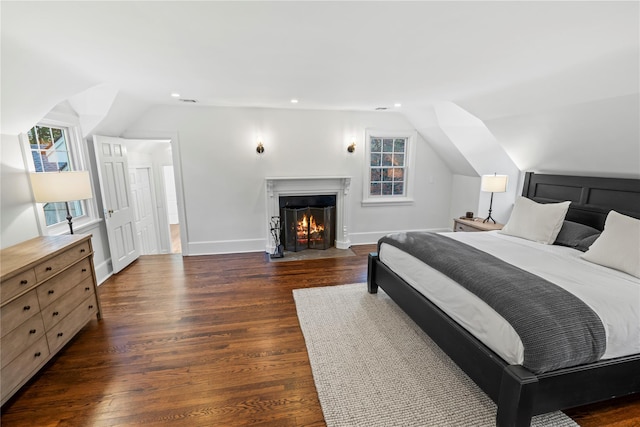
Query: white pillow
{"type": "Point", "coordinates": [618, 246]}
{"type": "Point", "coordinates": [539, 222]}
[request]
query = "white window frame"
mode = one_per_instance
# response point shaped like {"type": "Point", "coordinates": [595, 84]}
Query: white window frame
{"type": "Point", "coordinates": [412, 137]}
{"type": "Point", "coordinates": [80, 161]}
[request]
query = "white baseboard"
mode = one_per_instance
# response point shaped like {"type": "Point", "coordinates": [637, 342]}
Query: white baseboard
{"type": "Point", "coordinates": [259, 245]}
{"type": "Point", "coordinates": [103, 271]}
{"type": "Point", "coordinates": [371, 237]}
{"type": "Point", "coordinates": [226, 247]}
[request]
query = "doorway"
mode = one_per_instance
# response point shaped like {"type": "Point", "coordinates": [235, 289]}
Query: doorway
{"type": "Point", "coordinates": [154, 193]}
{"type": "Point", "coordinates": [137, 215]}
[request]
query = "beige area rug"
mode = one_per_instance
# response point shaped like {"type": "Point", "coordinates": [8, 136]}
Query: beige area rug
{"type": "Point", "coordinates": [373, 366]}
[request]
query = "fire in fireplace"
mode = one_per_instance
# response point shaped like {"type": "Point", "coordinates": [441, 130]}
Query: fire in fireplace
{"type": "Point", "coordinates": [308, 222]}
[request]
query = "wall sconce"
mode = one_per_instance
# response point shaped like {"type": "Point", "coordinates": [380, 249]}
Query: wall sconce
{"type": "Point", "coordinates": [352, 147]}
{"type": "Point", "coordinates": [260, 148]}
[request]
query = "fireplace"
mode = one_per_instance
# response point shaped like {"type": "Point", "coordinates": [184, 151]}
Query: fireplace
{"type": "Point", "coordinates": [308, 222]}
{"type": "Point", "coordinates": [334, 186]}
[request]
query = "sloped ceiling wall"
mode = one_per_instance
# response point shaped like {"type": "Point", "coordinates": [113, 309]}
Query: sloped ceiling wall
{"type": "Point", "coordinates": [598, 138]}
{"type": "Point", "coordinates": [33, 83]}
{"type": "Point", "coordinates": [465, 143]}
{"type": "Point", "coordinates": [584, 119]}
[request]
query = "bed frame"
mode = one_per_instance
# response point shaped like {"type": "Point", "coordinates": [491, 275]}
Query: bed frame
{"type": "Point", "coordinates": [518, 393]}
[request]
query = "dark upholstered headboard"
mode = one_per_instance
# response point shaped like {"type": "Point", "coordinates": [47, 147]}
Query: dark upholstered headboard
{"type": "Point", "coordinates": [591, 197]}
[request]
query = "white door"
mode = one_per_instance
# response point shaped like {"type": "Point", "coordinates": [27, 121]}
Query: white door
{"type": "Point", "coordinates": [113, 171]}
{"type": "Point", "coordinates": [142, 198]}
{"type": "Point", "coordinates": [171, 198]}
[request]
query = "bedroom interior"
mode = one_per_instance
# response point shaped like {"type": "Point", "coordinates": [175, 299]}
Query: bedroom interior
{"type": "Point", "coordinates": [207, 331]}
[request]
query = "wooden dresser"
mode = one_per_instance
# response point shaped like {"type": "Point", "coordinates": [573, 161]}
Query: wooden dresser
{"type": "Point", "coordinates": [48, 292]}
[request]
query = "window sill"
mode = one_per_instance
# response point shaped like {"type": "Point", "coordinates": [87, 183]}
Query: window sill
{"type": "Point", "coordinates": [79, 227]}
{"type": "Point", "coordinates": [388, 201]}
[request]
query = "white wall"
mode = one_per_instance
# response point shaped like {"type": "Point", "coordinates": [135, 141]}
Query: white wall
{"type": "Point", "coordinates": [466, 197]}
{"type": "Point", "coordinates": [18, 218]}
{"type": "Point", "coordinates": [223, 176]}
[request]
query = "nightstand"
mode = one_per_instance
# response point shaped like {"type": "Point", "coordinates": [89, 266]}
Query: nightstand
{"type": "Point", "coordinates": [476, 224]}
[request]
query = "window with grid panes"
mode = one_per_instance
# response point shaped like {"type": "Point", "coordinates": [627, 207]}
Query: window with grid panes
{"type": "Point", "coordinates": [389, 166]}
{"type": "Point", "coordinates": [387, 162]}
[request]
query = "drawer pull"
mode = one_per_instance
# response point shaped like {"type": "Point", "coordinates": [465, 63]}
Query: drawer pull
{"type": "Point", "coordinates": [24, 282]}
{"type": "Point", "coordinates": [82, 251]}
{"type": "Point", "coordinates": [55, 313]}
{"type": "Point", "coordinates": [27, 307]}
{"type": "Point", "coordinates": [48, 269]}
{"type": "Point", "coordinates": [38, 354]}
{"type": "Point", "coordinates": [87, 288]}
{"type": "Point", "coordinates": [32, 331]}
{"type": "Point", "coordinates": [50, 291]}
{"type": "Point", "coordinates": [90, 307]}
{"type": "Point", "coordinates": [60, 334]}
{"type": "Point", "coordinates": [84, 270]}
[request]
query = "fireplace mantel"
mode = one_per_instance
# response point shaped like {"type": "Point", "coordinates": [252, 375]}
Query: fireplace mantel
{"type": "Point", "coordinates": [305, 186]}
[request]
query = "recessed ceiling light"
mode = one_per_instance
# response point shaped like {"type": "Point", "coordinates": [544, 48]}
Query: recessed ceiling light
{"type": "Point", "coordinates": [397, 105]}
{"type": "Point", "coordinates": [294, 101]}
{"type": "Point", "coordinates": [175, 95]}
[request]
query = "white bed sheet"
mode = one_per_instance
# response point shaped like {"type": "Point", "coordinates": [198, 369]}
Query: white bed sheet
{"type": "Point", "coordinates": [614, 296]}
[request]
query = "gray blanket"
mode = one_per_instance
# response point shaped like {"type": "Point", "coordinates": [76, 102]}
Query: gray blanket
{"type": "Point", "coordinates": [556, 328]}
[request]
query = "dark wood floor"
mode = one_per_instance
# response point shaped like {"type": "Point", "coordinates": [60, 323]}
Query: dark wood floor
{"type": "Point", "coordinates": [203, 341]}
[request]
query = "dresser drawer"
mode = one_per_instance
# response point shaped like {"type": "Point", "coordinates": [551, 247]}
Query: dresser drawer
{"type": "Point", "coordinates": [62, 306]}
{"type": "Point", "coordinates": [17, 284]}
{"type": "Point", "coordinates": [58, 263]}
{"type": "Point", "coordinates": [18, 340]}
{"type": "Point", "coordinates": [21, 368]}
{"type": "Point", "coordinates": [18, 311]}
{"type": "Point", "coordinates": [56, 287]}
{"type": "Point", "coordinates": [464, 227]}
{"type": "Point", "coordinates": [64, 330]}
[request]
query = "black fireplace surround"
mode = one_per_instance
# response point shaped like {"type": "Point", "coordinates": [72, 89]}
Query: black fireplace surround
{"type": "Point", "coordinates": [308, 222]}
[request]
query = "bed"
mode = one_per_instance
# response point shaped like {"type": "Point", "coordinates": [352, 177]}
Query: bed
{"type": "Point", "coordinates": [520, 392]}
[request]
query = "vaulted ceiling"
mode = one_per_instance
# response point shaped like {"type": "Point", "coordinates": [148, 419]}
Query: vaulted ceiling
{"type": "Point", "coordinates": [492, 58]}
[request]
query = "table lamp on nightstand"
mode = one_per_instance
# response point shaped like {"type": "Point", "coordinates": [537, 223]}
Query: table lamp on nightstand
{"type": "Point", "coordinates": [493, 184]}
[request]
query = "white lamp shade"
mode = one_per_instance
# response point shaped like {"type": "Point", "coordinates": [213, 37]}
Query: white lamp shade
{"type": "Point", "coordinates": [49, 187]}
{"type": "Point", "coordinates": [494, 183]}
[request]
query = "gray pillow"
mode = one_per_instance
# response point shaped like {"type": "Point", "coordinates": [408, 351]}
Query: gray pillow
{"type": "Point", "coordinates": [577, 236]}
{"type": "Point", "coordinates": [584, 244]}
